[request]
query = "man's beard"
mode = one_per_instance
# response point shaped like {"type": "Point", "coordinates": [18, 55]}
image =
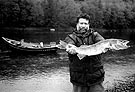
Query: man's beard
{"type": "Point", "coordinates": [83, 30]}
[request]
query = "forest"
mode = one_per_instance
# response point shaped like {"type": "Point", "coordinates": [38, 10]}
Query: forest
{"type": "Point", "coordinates": [106, 14]}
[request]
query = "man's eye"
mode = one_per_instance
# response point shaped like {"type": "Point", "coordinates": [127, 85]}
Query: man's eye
{"type": "Point", "coordinates": [84, 23]}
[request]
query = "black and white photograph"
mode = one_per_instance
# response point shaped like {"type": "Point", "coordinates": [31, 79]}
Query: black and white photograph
{"type": "Point", "coordinates": [67, 45]}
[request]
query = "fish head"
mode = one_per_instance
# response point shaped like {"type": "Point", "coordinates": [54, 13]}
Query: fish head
{"type": "Point", "coordinates": [123, 43]}
{"type": "Point", "coordinates": [117, 44]}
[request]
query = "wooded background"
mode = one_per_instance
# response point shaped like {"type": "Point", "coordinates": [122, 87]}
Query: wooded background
{"type": "Point", "coordinates": [107, 14]}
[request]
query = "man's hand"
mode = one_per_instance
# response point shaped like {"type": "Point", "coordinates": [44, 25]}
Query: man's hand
{"type": "Point", "coordinates": [71, 49]}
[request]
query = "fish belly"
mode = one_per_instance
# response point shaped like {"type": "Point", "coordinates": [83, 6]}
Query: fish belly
{"type": "Point", "coordinates": [89, 52]}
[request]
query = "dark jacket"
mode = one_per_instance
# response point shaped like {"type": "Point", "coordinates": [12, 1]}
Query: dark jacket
{"type": "Point", "coordinates": [89, 70]}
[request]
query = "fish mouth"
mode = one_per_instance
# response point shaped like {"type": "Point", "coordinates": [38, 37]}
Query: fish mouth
{"type": "Point", "coordinates": [125, 43]}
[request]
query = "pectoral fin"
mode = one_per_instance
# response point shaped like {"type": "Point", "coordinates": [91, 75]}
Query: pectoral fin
{"type": "Point", "coordinates": [81, 56]}
{"type": "Point", "coordinates": [105, 50]}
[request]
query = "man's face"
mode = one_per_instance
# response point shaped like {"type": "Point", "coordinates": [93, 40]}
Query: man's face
{"type": "Point", "coordinates": [82, 25]}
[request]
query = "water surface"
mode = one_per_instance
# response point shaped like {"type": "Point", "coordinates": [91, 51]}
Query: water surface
{"type": "Point", "coordinates": [50, 72]}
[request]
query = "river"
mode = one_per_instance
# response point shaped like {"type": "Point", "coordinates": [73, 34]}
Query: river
{"type": "Point", "coordinates": [50, 72]}
{"type": "Point", "coordinates": [34, 73]}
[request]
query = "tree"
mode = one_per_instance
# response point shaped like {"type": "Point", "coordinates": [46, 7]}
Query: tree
{"type": "Point", "coordinates": [60, 13]}
{"type": "Point", "coordinates": [95, 10]}
{"type": "Point", "coordinates": [16, 13]}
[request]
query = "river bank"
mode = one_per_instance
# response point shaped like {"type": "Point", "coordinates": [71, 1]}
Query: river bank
{"type": "Point", "coordinates": [58, 80]}
{"type": "Point", "coordinates": [50, 73]}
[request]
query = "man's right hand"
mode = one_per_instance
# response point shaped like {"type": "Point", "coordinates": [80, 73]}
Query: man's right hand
{"type": "Point", "coordinates": [70, 49]}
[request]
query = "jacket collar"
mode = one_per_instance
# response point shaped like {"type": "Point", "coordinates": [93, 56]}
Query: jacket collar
{"type": "Point", "coordinates": [89, 32]}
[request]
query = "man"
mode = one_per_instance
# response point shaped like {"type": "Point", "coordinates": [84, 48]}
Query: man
{"type": "Point", "coordinates": [86, 74]}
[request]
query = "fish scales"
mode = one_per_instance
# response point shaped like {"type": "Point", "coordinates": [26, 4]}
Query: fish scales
{"type": "Point", "coordinates": [97, 48]}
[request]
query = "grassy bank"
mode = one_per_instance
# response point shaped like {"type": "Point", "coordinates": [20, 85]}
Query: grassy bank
{"type": "Point", "coordinates": [120, 70]}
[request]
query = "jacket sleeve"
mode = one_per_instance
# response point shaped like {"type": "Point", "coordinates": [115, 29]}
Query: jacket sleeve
{"type": "Point", "coordinates": [97, 37]}
{"type": "Point", "coordinates": [70, 39]}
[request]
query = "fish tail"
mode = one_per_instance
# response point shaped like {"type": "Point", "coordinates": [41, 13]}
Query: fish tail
{"type": "Point", "coordinates": [62, 45]}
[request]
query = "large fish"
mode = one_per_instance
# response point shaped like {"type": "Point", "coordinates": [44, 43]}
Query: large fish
{"type": "Point", "coordinates": [97, 48]}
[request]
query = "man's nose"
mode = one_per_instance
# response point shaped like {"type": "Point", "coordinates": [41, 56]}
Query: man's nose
{"type": "Point", "coordinates": [83, 25]}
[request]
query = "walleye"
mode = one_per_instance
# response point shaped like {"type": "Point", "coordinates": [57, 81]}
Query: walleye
{"type": "Point", "coordinates": [97, 48]}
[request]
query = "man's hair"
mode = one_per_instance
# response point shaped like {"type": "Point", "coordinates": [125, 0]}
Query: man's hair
{"type": "Point", "coordinates": [84, 16]}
